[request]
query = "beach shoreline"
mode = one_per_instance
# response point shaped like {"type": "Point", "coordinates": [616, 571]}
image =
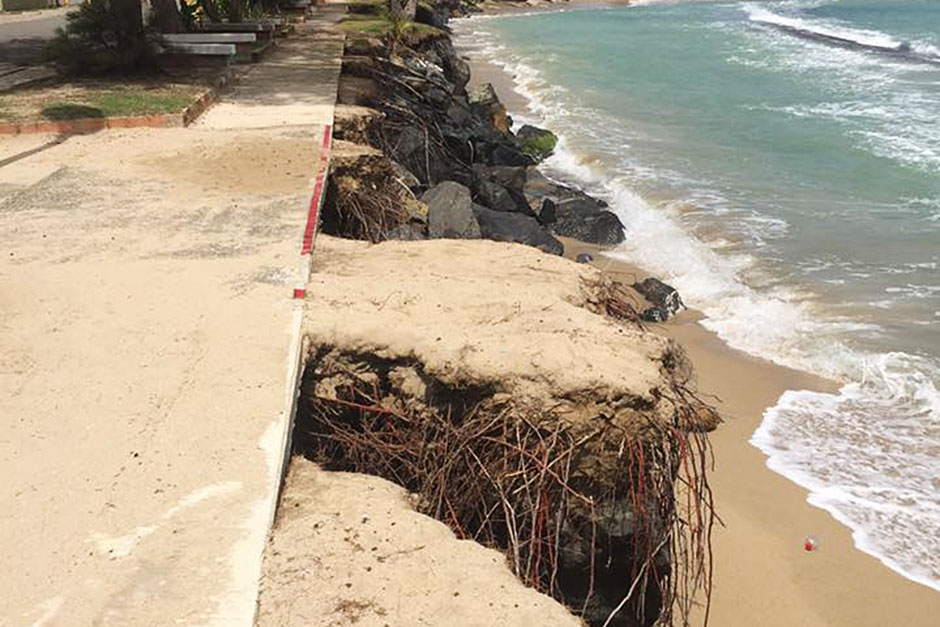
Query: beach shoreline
{"type": "Point", "coordinates": [762, 574]}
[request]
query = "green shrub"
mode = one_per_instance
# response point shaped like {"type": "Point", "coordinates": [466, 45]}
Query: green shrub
{"type": "Point", "coordinates": [382, 24]}
{"type": "Point", "coordinates": [366, 7]}
{"type": "Point", "coordinates": [102, 36]}
{"type": "Point", "coordinates": [540, 146]}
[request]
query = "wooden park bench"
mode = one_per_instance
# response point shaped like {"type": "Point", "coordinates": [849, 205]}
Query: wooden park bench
{"type": "Point", "coordinates": [200, 53]}
{"type": "Point", "coordinates": [238, 46]}
{"type": "Point", "coordinates": [264, 31]}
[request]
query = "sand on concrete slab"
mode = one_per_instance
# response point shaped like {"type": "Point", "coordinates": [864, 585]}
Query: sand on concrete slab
{"type": "Point", "coordinates": [144, 339]}
{"type": "Point", "coordinates": [146, 315]}
{"type": "Point", "coordinates": [349, 549]}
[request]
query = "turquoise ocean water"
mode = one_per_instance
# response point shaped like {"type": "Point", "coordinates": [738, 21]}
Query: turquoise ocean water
{"type": "Point", "coordinates": [779, 163]}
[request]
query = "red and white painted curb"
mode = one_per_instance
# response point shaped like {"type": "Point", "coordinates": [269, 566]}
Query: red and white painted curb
{"type": "Point", "coordinates": [313, 214]}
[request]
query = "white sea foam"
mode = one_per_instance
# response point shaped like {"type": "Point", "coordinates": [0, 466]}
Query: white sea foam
{"type": "Point", "coordinates": [868, 454]}
{"type": "Point", "coordinates": [862, 37]}
{"type": "Point", "coordinates": [890, 115]}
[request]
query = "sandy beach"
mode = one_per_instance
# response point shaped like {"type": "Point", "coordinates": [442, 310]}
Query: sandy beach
{"type": "Point", "coordinates": [762, 574]}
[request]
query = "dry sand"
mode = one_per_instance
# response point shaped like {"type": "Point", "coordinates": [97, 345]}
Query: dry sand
{"type": "Point", "coordinates": [479, 312]}
{"type": "Point", "coordinates": [349, 549]}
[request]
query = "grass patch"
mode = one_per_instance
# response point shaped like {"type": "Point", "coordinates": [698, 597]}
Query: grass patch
{"type": "Point", "coordinates": [143, 102]}
{"type": "Point", "coordinates": [88, 99]}
{"type": "Point", "coordinates": [366, 6]}
{"type": "Point", "coordinates": [378, 25]}
{"type": "Point", "coordinates": [366, 25]}
{"type": "Point", "coordinates": [69, 111]}
{"type": "Point", "coordinates": [418, 32]}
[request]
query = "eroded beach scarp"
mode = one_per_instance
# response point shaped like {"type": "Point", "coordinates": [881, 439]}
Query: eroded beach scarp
{"type": "Point", "coordinates": [497, 384]}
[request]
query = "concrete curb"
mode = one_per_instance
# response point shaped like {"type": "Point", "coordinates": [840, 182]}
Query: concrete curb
{"type": "Point", "coordinates": [298, 343]}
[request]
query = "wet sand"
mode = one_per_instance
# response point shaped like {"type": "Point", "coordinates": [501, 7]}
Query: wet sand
{"type": "Point", "coordinates": [762, 574]}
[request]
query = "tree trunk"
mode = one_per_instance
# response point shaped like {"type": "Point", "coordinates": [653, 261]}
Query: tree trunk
{"type": "Point", "coordinates": [166, 17]}
{"type": "Point", "coordinates": [236, 11]}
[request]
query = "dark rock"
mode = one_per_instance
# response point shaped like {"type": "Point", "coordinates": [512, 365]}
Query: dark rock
{"type": "Point", "coordinates": [506, 154]}
{"type": "Point", "coordinates": [493, 195]}
{"type": "Point", "coordinates": [528, 132]}
{"type": "Point", "coordinates": [571, 212]}
{"type": "Point", "coordinates": [408, 232]}
{"type": "Point", "coordinates": [433, 14]}
{"type": "Point", "coordinates": [484, 101]}
{"type": "Point", "coordinates": [499, 188]}
{"type": "Point", "coordinates": [546, 213]}
{"type": "Point", "coordinates": [458, 71]}
{"type": "Point", "coordinates": [584, 220]}
{"type": "Point", "coordinates": [437, 97]}
{"type": "Point", "coordinates": [409, 142]}
{"type": "Point", "coordinates": [536, 142]}
{"type": "Point", "coordinates": [458, 114]}
{"type": "Point", "coordinates": [515, 227]}
{"type": "Point", "coordinates": [459, 142]}
{"type": "Point", "coordinates": [538, 186]}
{"type": "Point", "coordinates": [584, 258]}
{"type": "Point", "coordinates": [654, 314]}
{"type": "Point", "coordinates": [664, 298]}
{"type": "Point", "coordinates": [450, 212]}
{"type": "Point", "coordinates": [513, 178]}
{"type": "Point", "coordinates": [404, 176]}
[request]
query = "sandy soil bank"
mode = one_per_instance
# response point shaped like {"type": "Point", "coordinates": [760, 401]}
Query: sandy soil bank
{"type": "Point", "coordinates": [469, 315]}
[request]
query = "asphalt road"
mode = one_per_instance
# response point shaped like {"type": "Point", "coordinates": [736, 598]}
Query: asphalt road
{"type": "Point", "coordinates": [22, 36]}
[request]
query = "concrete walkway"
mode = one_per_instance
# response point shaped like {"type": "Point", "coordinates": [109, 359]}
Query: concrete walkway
{"type": "Point", "coordinates": [146, 329]}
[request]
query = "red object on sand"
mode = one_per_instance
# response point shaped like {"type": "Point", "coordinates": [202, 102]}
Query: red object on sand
{"type": "Point", "coordinates": [810, 544]}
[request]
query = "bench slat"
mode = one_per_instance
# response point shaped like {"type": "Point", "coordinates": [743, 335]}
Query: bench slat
{"type": "Point", "coordinates": [210, 38]}
{"type": "Point", "coordinates": [244, 27]}
{"type": "Point", "coordinates": [201, 49]}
